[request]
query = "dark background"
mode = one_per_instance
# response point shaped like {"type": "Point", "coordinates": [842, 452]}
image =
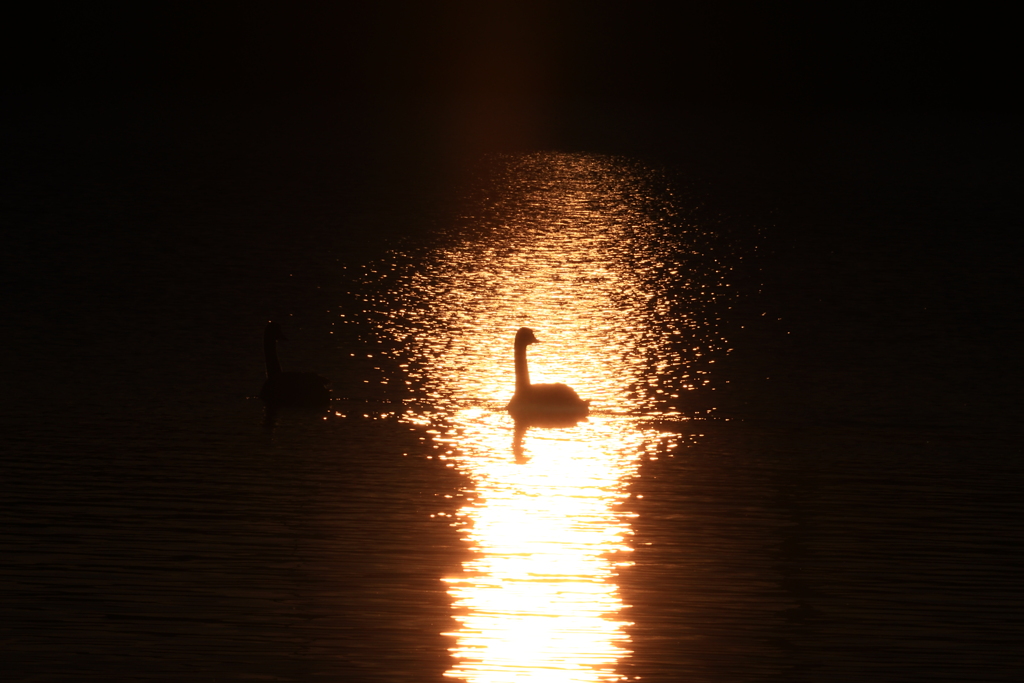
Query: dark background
{"type": "Point", "coordinates": [693, 53]}
{"type": "Point", "coordinates": [506, 73]}
{"type": "Point", "coordinates": [873, 108]}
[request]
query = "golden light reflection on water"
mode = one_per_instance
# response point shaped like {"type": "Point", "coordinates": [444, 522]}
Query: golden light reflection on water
{"type": "Point", "coordinates": [566, 245]}
{"type": "Point", "coordinates": [539, 595]}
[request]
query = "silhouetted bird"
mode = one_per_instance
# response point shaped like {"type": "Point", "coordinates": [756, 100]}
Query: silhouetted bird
{"type": "Point", "coordinates": [290, 389]}
{"type": "Point", "coordinates": [542, 404]}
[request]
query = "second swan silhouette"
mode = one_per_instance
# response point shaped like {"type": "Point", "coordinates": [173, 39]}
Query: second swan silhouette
{"type": "Point", "coordinates": [290, 389]}
{"type": "Point", "coordinates": [552, 405]}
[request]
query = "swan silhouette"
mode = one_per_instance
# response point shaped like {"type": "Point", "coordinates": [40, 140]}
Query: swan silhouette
{"type": "Point", "coordinates": [290, 389]}
{"type": "Point", "coordinates": [554, 405]}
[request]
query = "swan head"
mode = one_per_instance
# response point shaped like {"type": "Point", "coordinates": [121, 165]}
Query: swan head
{"type": "Point", "coordinates": [525, 337]}
{"type": "Point", "coordinates": [275, 331]}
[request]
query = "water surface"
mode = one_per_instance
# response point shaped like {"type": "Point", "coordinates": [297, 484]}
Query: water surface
{"type": "Point", "coordinates": [790, 471]}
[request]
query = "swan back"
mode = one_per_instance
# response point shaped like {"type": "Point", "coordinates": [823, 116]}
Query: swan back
{"type": "Point", "coordinates": [296, 389]}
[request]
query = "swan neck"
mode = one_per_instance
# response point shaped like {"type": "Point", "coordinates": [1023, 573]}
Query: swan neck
{"type": "Point", "coordinates": [270, 351]}
{"type": "Point", "coordinates": [522, 370]}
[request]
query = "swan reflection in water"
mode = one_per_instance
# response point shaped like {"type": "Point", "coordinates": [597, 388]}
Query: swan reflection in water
{"type": "Point", "coordinates": [540, 405]}
{"type": "Point", "coordinates": [301, 390]}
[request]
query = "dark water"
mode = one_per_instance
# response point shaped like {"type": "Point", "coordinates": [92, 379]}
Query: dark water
{"type": "Point", "coordinates": [815, 411]}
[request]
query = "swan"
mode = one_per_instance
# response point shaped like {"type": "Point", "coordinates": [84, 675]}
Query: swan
{"type": "Point", "coordinates": [295, 389]}
{"type": "Point", "coordinates": [542, 404]}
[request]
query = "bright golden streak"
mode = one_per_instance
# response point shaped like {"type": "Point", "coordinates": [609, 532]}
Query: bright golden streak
{"type": "Point", "coordinates": [538, 600]}
{"type": "Point", "coordinates": [540, 596]}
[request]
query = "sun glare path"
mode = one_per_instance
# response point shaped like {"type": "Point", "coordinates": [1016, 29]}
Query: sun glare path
{"type": "Point", "coordinates": [573, 253]}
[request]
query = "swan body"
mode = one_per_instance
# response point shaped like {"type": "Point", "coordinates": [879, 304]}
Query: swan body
{"type": "Point", "coordinates": [554, 404]}
{"type": "Point", "coordinates": [290, 389]}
